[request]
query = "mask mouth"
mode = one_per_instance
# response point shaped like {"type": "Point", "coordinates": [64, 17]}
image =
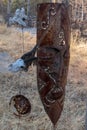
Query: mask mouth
{"type": "Point", "coordinates": [18, 65]}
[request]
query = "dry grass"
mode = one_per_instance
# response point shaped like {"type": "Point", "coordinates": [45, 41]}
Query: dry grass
{"type": "Point", "coordinates": [73, 116]}
{"type": "Point", "coordinates": [12, 42]}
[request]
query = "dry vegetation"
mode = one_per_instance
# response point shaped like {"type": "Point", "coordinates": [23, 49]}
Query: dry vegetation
{"type": "Point", "coordinates": [73, 116]}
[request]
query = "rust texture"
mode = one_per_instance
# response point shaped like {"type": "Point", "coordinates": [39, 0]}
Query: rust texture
{"type": "Point", "coordinates": [53, 39]}
{"type": "Point", "coordinates": [21, 104]}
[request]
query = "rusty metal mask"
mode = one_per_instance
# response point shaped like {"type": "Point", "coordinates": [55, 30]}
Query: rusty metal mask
{"type": "Point", "coordinates": [53, 39]}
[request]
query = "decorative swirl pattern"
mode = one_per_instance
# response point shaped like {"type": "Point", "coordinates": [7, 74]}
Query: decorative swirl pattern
{"type": "Point", "coordinates": [53, 57]}
{"type": "Point", "coordinates": [44, 25]}
{"type": "Point", "coordinates": [52, 12]}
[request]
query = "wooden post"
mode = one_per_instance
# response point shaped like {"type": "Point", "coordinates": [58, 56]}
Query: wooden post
{"type": "Point", "coordinates": [53, 39]}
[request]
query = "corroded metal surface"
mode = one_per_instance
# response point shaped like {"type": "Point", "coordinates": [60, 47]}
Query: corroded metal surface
{"type": "Point", "coordinates": [20, 105]}
{"type": "Point", "coordinates": [53, 39]}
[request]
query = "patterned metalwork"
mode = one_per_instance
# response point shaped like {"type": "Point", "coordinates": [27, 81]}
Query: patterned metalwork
{"type": "Point", "coordinates": [20, 105]}
{"type": "Point", "coordinates": [53, 39]}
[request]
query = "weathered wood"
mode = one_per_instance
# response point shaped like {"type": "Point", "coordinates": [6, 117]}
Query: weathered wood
{"type": "Point", "coordinates": [53, 39]}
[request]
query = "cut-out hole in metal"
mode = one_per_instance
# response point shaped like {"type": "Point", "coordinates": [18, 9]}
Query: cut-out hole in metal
{"type": "Point", "coordinates": [53, 11]}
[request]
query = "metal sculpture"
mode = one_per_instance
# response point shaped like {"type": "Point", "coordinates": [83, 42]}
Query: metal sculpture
{"type": "Point", "coordinates": [53, 39]}
{"type": "Point", "coordinates": [53, 53]}
{"type": "Point", "coordinates": [23, 63]}
{"type": "Point", "coordinates": [19, 18]}
{"type": "Point", "coordinates": [20, 105]}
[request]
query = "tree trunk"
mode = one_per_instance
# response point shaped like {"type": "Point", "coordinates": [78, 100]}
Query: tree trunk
{"type": "Point", "coordinates": [28, 7]}
{"type": "Point", "coordinates": [8, 11]}
{"type": "Point", "coordinates": [76, 10]}
{"type": "Point", "coordinates": [53, 1]}
{"type": "Point", "coordinates": [66, 2]}
{"type": "Point", "coordinates": [9, 7]}
{"type": "Point", "coordinates": [82, 11]}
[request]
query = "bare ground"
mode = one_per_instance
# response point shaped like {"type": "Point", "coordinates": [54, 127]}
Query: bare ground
{"type": "Point", "coordinates": [73, 115]}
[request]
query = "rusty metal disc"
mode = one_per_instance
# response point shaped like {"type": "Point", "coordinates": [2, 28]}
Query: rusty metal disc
{"type": "Point", "coordinates": [20, 105]}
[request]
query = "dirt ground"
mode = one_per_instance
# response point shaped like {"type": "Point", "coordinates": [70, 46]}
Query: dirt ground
{"type": "Point", "coordinates": [73, 115]}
